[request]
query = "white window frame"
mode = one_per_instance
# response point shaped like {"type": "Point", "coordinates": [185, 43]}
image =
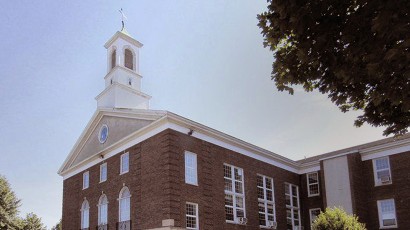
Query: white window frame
{"type": "Point", "coordinates": [100, 210]}
{"type": "Point", "coordinates": [85, 214]}
{"type": "Point", "coordinates": [310, 214]}
{"type": "Point", "coordinates": [310, 194]}
{"type": "Point", "coordinates": [102, 167]}
{"type": "Point", "coordinates": [191, 179]}
{"type": "Point", "coordinates": [375, 171]}
{"type": "Point", "coordinates": [120, 204]}
{"type": "Point", "coordinates": [122, 170]}
{"type": "Point", "coordinates": [379, 210]}
{"type": "Point", "coordinates": [86, 180]}
{"type": "Point", "coordinates": [266, 201]}
{"type": "Point", "coordinates": [196, 215]}
{"type": "Point", "coordinates": [234, 194]}
{"type": "Point", "coordinates": [292, 207]}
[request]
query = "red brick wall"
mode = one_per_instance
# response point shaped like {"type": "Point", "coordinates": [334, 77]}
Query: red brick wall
{"type": "Point", "coordinates": [157, 184]}
{"type": "Point", "coordinates": [310, 202]}
{"type": "Point", "coordinates": [399, 190]}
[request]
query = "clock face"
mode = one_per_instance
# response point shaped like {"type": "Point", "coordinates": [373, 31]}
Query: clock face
{"type": "Point", "coordinates": [103, 134]}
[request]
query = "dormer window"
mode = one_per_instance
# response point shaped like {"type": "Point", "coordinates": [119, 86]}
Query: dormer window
{"type": "Point", "coordinates": [128, 59]}
{"type": "Point", "coordinates": [113, 59]}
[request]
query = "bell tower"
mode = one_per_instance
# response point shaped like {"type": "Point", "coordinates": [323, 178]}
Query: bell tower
{"type": "Point", "coordinates": [123, 80]}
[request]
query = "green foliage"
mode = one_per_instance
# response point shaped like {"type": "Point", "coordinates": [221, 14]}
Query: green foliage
{"type": "Point", "coordinates": [58, 226]}
{"type": "Point", "coordinates": [356, 51]}
{"type": "Point", "coordinates": [337, 219]}
{"type": "Point", "coordinates": [9, 205]}
{"type": "Point", "coordinates": [32, 222]}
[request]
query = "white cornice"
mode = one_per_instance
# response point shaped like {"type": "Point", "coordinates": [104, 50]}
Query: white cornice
{"type": "Point", "coordinates": [123, 36]}
{"type": "Point", "coordinates": [116, 84]}
{"type": "Point", "coordinates": [121, 68]}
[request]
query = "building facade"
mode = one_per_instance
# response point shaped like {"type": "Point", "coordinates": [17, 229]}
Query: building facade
{"type": "Point", "coordinates": [137, 168]}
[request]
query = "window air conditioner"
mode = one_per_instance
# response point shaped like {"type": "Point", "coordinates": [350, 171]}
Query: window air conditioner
{"type": "Point", "coordinates": [242, 220]}
{"type": "Point", "coordinates": [272, 224]}
{"type": "Point", "coordinates": [384, 179]}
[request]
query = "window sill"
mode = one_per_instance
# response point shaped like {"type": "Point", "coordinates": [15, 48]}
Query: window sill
{"type": "Point", "coordinates": [379, 185]}
{"type": "Point", "coordinates": [122, 173]}
{"type": "Point", "coordinates": [103, 181]}
{"type": "Point", "coordinates": [389, 227]}
{"type": "Point", "coordinates": [314, 195]}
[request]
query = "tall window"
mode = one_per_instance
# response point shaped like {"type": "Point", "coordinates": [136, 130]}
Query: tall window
{"type": "Point", "coordinates": [103, 210]}
{"type": "Point", "coordinates": [85, 215]}
{"type": "Point", "coordinates": [103, 172]}
{"type": "Point", "coordinates": [381, 168]}
{"type": "Point", "coordinates": [313, 183]}
{"type": "Point", "coordinates": [113, 59]}
{"type": "Point", "coordinates": [266, 201]}
{"type": "Point", "coordinates": [125, 163]}
{"type": "Point", "coordinates": [191, 175]}
{"type": "Point", "coordinates": [292, 206]}
{"type": "Point", "coordinates": [192, 216]}
{"type": "Point", "coordinates": [387, 213]}
{"type": "Point", "coordinates": [313, 213]}
{"type": "Point", "coordinates": [86, 180]}
{"type": "Point", "coordinates": [124, 203]}
{"type": "Point", "coordinates": [234, 193]}
{"type": "Point", "coordinates": [128, 59]}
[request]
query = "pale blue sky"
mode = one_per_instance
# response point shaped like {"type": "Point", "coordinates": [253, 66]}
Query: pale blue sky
{"type": "Point", "coordinates": [201, 59]}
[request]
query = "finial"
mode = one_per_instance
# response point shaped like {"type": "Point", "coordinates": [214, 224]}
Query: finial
{"type": "Point", "coordinates": [123, 17]}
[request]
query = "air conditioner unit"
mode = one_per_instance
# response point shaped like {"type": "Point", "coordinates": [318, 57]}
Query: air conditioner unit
{"type": "Point", "coordinates": [384, 179]}
{"type": "Point", "coordinates": [298, 228]}
{"type": "Point", "coordinates": [242, 220]}
{"type": "Point", "coordinates": [272, 224]}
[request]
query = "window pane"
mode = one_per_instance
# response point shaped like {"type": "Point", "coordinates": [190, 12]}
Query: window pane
{"type": "Point", "coordinates": [382, 163]}
{"type": "Point", "coordinates": [239, 202]}
{"type": "Point", "coordinates": [227, 171]}
{"type": "Point", "coordinates": [268, 183]}
{"type": "Point", "coordinates": [228, 200]}
{"type": "Point", "coordinates": [238, 187]}
{"type": "Point", "coordinates": [261, 194]}
{"type": "Point", "coordinates": [259, 181]}
{"type": "Point", "coordinates": [229, 213]}
{"type": "Point", "coordinates": [228, 185]}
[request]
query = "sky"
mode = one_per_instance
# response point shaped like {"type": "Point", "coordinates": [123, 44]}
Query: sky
{"type": "Point", "coordinates": [203, 60]}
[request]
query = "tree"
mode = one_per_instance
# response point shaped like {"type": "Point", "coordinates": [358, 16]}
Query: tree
{"type": "Point", "coordinates": [58, 226]}
{"type": "Point", "coordinates": [337, 219]}
{"type": "Point", "coordinates": [356, 51]}
{"type": "Point", "coordinates": [9, 205]}
{"type": "Point", "coordinates": [32, 222]}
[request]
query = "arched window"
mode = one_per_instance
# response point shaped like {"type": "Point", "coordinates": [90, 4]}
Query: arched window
{"type": "Point", "coordinates": [128, 59]}
{"type": "Point", "coordinates": [113, 58]}
{"type": "Point", "coordinates": [124, 203]}
{"type": "Point", "coordinates": [103, 210]}
{"type": "Point", "coordinates": [85, 215]}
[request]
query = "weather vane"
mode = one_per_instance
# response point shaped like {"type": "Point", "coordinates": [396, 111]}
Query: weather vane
{"type": "Point", "coordinates": [123, 17]}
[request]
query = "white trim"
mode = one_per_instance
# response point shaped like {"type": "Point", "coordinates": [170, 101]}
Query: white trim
{"type": "Point", "coordinates": [292, 206]}
{"type": "Point", "coordinates": [119, 203]}
{"type": "Point", "coordinates": [100, 203]}
{"type": "Point", "coordinates": [234, 194]}
{"type": "Point", "coordinates": [310, 213]}
{"type": "Point", "coordinates": [106, 172]}
{"type": "Point", "coordinates": [376, 179]}
{"type": "Point", "coordinates": [122, 171]}
{"type": "Point", "coordinates": [385, 153]}
{"type": "Point", "coordinates": [310, 169]}
{"type": "Point", "coordinates": [196, 215]}
{"type": "Point", "coordinates": [380, 214]}
{"type": "Point", "coordinates": [195, 168]}
{"type": "Point", "coordinates": [166, 122]}
{"type": "Point", "coordinates": [265, 201]}
{"type": "Point", "coordinates": [86, 178]}
{"type": "Point", "coordinates": [308, 184]}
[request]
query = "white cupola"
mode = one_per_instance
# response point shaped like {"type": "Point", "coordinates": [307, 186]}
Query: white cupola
{"type": "Point", "coordinates": [123, 81]}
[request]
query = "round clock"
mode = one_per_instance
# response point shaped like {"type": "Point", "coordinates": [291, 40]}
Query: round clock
{"type": "Point", "coordinates": [103, 134]}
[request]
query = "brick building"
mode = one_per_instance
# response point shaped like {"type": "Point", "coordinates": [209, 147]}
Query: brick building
{"type": "Point", "coordinates": [136, 168]}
